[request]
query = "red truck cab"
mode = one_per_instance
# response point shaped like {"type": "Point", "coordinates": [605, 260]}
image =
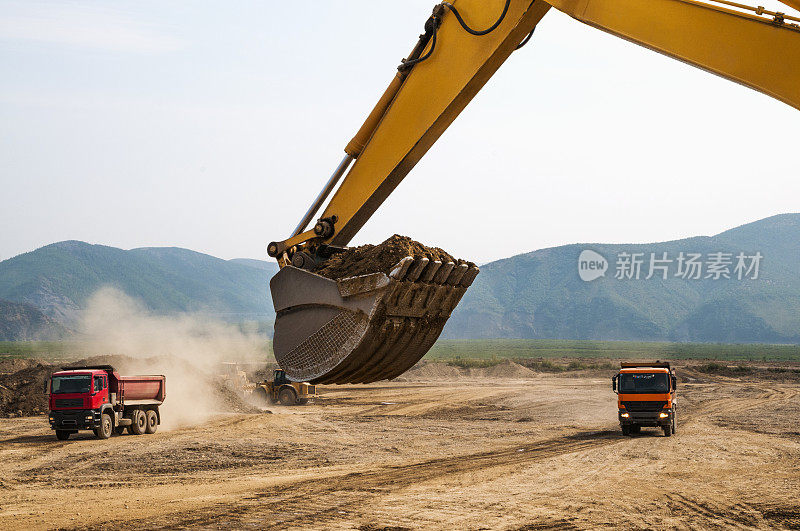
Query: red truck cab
{"type": "Point", "coordinates": [98, 398]}
{"type": "Point", "coordinates": [646, 396]}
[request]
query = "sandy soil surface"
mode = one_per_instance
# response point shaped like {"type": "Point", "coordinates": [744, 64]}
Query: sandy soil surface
{"type": "Point", "coordinates": [538, 452]}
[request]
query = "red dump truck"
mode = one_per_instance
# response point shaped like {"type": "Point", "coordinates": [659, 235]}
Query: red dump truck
{"type": "Point", "coordinates": [98, 398]}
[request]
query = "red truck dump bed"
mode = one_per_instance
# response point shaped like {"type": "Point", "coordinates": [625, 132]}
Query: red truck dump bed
{"type": "Point", "coordinates": [141, 389]}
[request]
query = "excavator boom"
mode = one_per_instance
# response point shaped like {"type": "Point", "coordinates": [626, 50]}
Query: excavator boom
{"type": "Point", "coordinates": [367, 329]}
{"type": "Point", "coordinates": [758, 51]}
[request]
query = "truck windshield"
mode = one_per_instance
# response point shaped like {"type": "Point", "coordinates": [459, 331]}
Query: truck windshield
{"type": "Point", "coordinates": [78, 383]}
{"type": "Point", "coordinates": [643, 383]}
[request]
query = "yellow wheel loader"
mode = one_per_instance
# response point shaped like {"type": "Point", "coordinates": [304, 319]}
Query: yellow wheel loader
{"type": "Point", "coordinates": [285, 392]}
{"type": "Point", "coordinates": [233, 377]}
{"type": "Point", "coordinates": [374, 327]}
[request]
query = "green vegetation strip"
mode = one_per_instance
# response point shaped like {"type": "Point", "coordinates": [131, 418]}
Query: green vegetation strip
{"type": "Point", "coordinates": [481, 349]}
{"type": "Point", "coordinates": [487, 352]}
{"type": "Point", "coordinates": [537, 364]}
{"type": "Point", "coordinates": [71, 349]}
{"type": "Point", "coordinates": [42, 349]}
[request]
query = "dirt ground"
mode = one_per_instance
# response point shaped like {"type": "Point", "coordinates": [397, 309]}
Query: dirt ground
{"type": "Point", "coordinates": [431, 452]}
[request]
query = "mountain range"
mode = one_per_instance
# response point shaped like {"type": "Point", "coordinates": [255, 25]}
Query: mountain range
{"type": "Point", "coordinates": [747, 288]}
{"type": "Point", "coordinates": [541, 294]}
{"type": "Point", "coordinates": [25, 322]}
{"type": "Point", "coordinates": [58, 279]}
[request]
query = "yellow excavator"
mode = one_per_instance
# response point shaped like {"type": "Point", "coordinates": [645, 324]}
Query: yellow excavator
{"type": "Point", "coordinates": [376, 326]}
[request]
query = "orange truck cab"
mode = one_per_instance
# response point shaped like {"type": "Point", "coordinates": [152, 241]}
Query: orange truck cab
{"type": "Point", "coordinates": [646, 397]}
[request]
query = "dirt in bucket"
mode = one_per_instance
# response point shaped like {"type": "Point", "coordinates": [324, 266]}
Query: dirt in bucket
{"type": "Point", "coordinates": [380, 258]}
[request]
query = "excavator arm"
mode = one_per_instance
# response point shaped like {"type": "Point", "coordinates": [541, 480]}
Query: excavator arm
{"type": "Point", "coordinates": [725, 38]}
{"type": "Point", "coordinates": [464, 43]}
{"type": "Point", "coordinates": [751, 46]}
{"type": "Point", "coordinates": [446, 69]}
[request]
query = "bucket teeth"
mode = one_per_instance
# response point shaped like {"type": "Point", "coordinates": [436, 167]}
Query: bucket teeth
{"type": "Point", "coordinates": [366, 328]}
{"type": "Point", "coordinates": [469, 277]}
{"type": "Point", "coordinates": [443, 273]}
{"type": "Point", "coordinates": [457, 274]}
{"type": "Point", "coordinates": [419, 266]}
{"type": "Point", "coordinates": [430, 271]}
{"type": "Point", "coordinates": [401, 269]}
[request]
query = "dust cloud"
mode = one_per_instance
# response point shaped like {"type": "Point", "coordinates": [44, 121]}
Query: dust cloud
{"type": "Point", "coordinates": [188, 349]}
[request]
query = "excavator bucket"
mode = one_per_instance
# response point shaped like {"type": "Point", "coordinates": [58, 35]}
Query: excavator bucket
{"type": "Point", "coordinates": [364, 328]}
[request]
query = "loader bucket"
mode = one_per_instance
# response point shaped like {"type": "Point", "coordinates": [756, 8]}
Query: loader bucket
{"type": "Point", "coordinates": [365, 328]}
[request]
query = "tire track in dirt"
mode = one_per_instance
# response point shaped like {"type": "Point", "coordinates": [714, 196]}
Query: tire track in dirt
{"type": "Point", "coordinates": [337, 498]}
{"type": "Point", "coordinates": [326, 500]}
{"type": "Point", "coordinates": [707, 512]}
{"type": "Point", "coordinates": [733, 404]}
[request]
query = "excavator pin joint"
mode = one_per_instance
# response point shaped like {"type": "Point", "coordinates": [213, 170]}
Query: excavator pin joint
{"type": "Point", "coordinates": [324, 227]}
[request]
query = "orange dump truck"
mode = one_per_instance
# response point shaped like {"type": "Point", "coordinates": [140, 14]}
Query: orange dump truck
{"type": "Point", "coordinates": [646, 397]}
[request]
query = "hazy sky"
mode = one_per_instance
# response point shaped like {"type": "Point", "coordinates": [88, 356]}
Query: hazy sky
{"type": "Point", "coordinates": [212, 125]}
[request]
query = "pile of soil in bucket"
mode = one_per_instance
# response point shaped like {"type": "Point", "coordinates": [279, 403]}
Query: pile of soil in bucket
{"type": "Point", "coordinates": [382, 258]}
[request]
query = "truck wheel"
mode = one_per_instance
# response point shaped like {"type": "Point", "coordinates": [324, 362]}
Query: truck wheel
{"type": "Point", "coordinates": [261, 396]}
{"type": "Point", "coordinates": [62, 435]}
{"type": "Point", "coordinates": [287, 397]}
{"type": "Point", "coordinates": [674, 422]}
{"type": "Point", "coordinates": [626, 430]}
{"type": "Point", "coordinates": [667, 430]}
{"type": "Point", "coordinates": [152, 421]}
{"type": "Point", "coordinates": [105, 428]}
{"type": "Point", "coordinates": [139, 422]}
